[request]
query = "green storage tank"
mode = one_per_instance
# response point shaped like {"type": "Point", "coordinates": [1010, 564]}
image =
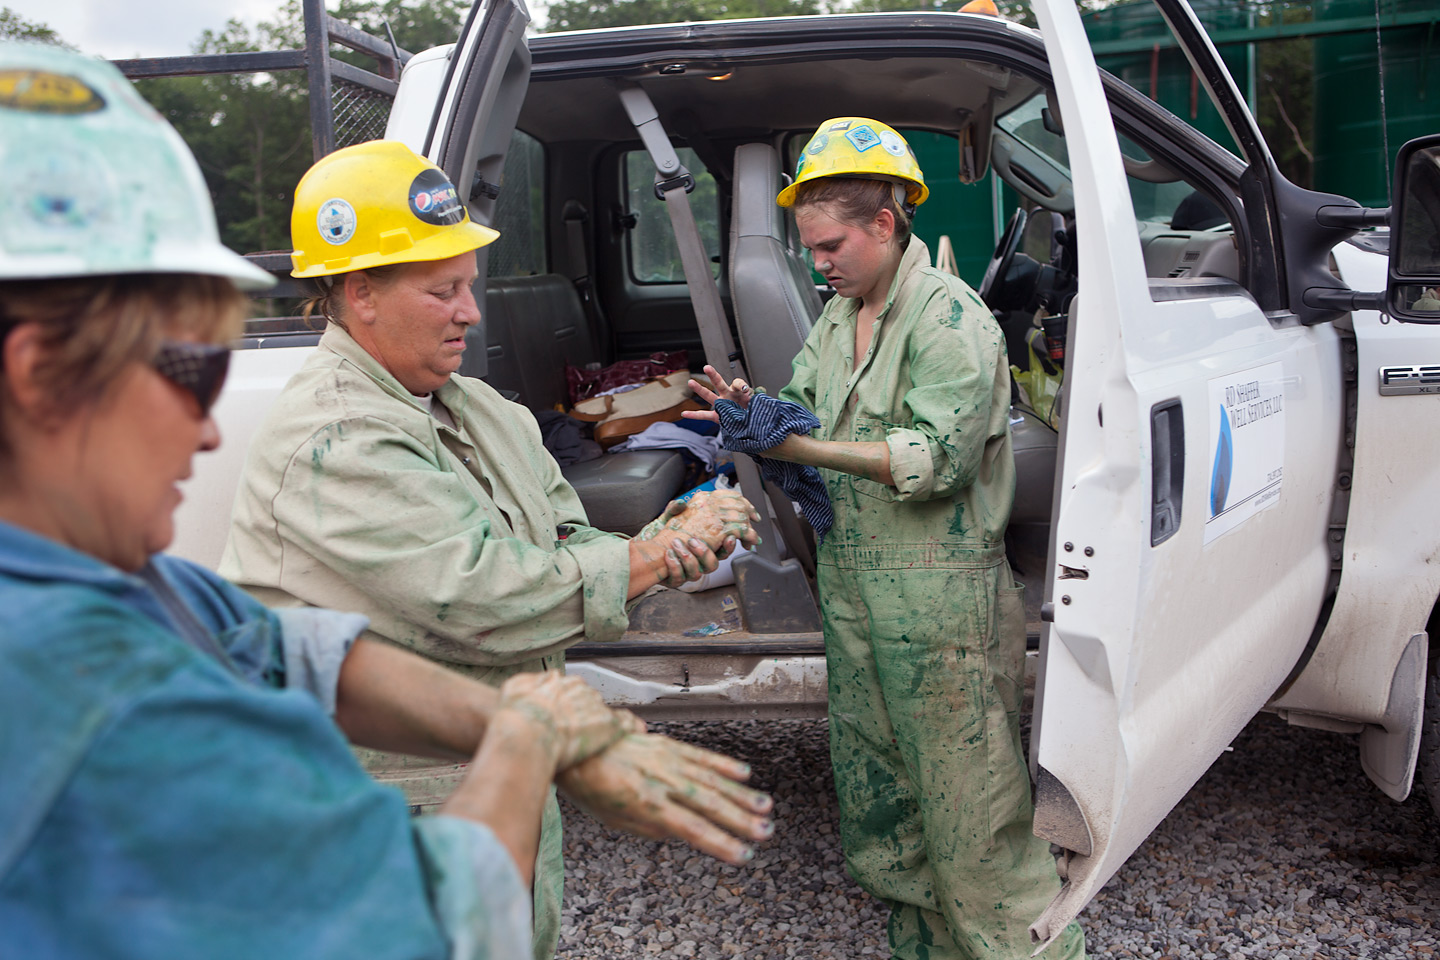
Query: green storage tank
{"type": "Point", "coordinates": [1349, 139]}
{"type": "Point", "coordinates": [1165, 74]}
{"type": "Point", "coordinates": [963, 212]}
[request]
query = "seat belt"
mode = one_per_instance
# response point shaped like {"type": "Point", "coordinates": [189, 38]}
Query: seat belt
{"type": "Point", "coordinates": [575, 216]}
{"type": "Point", "coordinates": [673, 183]}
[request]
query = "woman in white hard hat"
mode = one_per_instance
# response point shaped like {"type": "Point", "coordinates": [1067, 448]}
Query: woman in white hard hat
{"type": "Point", "coordinates": [176, 778]}
{"type": "Point", "coordinates": [924, 632]}
{"type": "Point", "coordinates": [383, 482]}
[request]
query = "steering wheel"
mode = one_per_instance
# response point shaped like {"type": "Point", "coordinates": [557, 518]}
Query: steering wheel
{"type": "Point", "coordinates": [992, 287]}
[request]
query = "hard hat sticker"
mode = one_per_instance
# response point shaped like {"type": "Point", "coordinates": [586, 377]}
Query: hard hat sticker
{"type": "Point", "coordinates": [892, 143]}
{"type": "Point", "coordinates": [435, 200]}
{"type": "Point", "coordinates": [820, 142]}
{"type": "Point", "coordinates": [863, 138]}
{"type": "Point", "coordinates": [336, 221]}
{"type": "Point", "coordinates": [57, 210]}
{"type": "Point", "coordinates": [41, 91]}
{"type": "Point", "coordinates": [839, 125]}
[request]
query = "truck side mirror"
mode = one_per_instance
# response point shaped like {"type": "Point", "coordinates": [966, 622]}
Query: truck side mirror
{"type": "Point", "coordinates": [1413, 292]}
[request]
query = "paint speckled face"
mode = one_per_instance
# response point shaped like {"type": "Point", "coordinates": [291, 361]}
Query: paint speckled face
{"type": "Point", "coordinates": [852, 259]}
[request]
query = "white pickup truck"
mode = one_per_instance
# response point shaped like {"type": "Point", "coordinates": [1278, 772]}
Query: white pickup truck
{"type": "Point", "coordinates": [1238, 510]}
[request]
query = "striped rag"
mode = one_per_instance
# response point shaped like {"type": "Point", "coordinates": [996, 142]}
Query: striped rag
{"type": "Point", "coordinates": [764, 424]}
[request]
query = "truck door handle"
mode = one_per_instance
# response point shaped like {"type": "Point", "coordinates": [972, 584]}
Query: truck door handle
{"type": "Point", "coordinates": [1167, 469]}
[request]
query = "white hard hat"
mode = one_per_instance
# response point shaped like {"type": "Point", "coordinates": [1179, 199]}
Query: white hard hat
{"type": "Point", "coordinates": [95, 181]}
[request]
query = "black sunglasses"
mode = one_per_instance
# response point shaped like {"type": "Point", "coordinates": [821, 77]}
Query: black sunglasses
{"type": "Point", "coordinates": [197, 368]}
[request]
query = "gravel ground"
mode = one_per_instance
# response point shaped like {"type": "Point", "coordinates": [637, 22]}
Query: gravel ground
{"type": "Point", "coordinates": [1283, 850]}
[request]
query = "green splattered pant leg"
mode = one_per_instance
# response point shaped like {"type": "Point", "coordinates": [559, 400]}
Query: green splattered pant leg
{"type": "Point", "coordinates": [934, 795]}
{"type": "Point", "coordinates": [549, 881]}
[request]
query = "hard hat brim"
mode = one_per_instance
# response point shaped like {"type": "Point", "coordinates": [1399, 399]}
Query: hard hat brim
{"type": "Point", "coordinates": [222, 262]}
{"type": "Point", "coordinates": [916, 193]}
{"type": "Point", "coordinates": [166, 258]}
{"type": "Point", "coordinates": [461, 238]}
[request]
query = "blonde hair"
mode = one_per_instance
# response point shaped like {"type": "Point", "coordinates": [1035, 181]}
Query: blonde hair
{"type": "Point", "coordinates": [857, 201]}
{"type": "Point", "coordinates": [92, 328]}
{"type": "Point", "coordinates": [328, 301]}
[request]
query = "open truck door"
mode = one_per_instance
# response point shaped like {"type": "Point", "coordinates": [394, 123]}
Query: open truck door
{"type": "Point", "coordinates": [1189, 561]}
{"type": "Point", "coordinates": [459, 110]}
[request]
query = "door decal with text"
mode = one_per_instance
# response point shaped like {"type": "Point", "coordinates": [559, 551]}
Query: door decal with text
{"type": "Point", "coordinates": [1247, 445]}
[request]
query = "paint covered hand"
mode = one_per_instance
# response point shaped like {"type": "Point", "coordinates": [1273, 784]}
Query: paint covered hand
{"type": "Point", "coordinates": [688, 560]}
{"type": "Point", "coordinates": [672, 510]}
{"type": "Point", "coordinates": [656, 787]}
{"type": "Point", "coordinates": [570, 715]}
{"type": "Point", "coordinates": [717, 518]}
{"type": "Point", "coordinates": [722, 519]}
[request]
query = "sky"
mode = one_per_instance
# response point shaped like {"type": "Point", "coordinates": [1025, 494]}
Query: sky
{"type": "Point", "coordinates": [144, 28]}
{"type": "Point", "coordinates": [120, 29]}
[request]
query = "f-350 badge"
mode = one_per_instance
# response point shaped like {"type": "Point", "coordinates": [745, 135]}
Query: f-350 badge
{"type": "Point", "coordinates": [1402, 381]}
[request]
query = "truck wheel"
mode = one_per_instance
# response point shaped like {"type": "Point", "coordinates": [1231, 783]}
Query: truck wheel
{"type": "Point", "coordinates": [1429, 762]}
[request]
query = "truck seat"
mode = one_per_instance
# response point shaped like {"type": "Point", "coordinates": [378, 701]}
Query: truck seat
{"type": "Point", "coordinates": [1034, 444]}
{"type": "Point", "coordinates": [772, 289]}
{"type": "Point", "coordinates": [533, 326]}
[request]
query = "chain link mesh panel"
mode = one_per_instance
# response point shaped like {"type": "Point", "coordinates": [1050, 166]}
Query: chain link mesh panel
{"type": "Point", "coordinates": [520, 211]}
{"type": "Point", "coordinates": [360, 114]}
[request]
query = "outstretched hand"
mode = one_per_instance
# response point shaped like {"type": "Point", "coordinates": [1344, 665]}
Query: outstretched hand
{"type": "Point", "coordinates": [737, 391]}
{"type": "Point", "coordinates": [656, 787]}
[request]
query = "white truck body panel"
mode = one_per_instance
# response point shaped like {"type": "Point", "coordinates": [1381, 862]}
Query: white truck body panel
{"type": "Point", "coordinates": [1159, 655]}
{"type": "Point", "coordinates": [256, 378]}
{"type": "Point", "coordinates": [420, 85]}
{"type": "Point", "coordinates": [1369, 665]}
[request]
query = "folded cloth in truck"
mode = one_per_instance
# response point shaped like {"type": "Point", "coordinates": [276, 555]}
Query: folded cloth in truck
{"type": "Point", "coordinates": [674, 436]}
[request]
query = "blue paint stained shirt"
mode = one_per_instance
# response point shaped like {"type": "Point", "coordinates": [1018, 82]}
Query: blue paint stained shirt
{"type": "Point", "coordinates": [162, 799]}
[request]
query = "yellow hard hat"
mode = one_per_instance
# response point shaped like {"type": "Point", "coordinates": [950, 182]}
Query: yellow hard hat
{"type": "Point", "coordinates": [858, 147]}
{"type": "Point", "coordinates": [375, 204]}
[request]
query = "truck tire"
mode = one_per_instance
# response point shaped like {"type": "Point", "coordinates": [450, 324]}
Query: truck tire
{"type": "Point", "coordinates": [1429, 762]}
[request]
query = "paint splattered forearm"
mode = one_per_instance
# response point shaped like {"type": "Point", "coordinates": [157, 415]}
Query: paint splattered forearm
{"type": "Point", "coordinates": [870, 460]}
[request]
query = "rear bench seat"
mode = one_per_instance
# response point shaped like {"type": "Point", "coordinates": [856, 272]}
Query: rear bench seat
{"type": "Point", "coordinates": [532, 326]}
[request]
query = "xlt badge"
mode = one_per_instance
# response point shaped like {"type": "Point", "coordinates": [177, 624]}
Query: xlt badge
{"type": "Point", "coordinates": [1414, 378]}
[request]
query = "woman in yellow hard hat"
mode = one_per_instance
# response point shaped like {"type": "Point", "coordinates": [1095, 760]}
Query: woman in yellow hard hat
{"type": "Point", "coordinates": [924, 631]}
{"type": "Point", "coordinates": [383, 482]}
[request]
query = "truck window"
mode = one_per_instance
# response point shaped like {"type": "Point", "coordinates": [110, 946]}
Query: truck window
{"type": "Point", "coordinates": [520, 211]}
{"type": "Point", "coordinates": [1154, 202]}
{"type": "Point", "coordinates": [651, 249]}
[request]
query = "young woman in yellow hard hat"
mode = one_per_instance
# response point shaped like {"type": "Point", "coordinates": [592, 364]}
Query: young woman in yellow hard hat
{"type": "Point", "coordinates": [924, 630]}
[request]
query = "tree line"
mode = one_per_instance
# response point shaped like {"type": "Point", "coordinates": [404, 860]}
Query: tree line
{"type": "Point", "coordinates": [251, 132]}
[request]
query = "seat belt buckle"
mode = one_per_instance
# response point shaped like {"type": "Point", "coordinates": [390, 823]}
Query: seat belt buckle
{"type": "Point", "coordinates": [684, 179]}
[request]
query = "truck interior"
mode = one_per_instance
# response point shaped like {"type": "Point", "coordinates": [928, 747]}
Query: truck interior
{"type": "Point", "coordinates": [586, 269]}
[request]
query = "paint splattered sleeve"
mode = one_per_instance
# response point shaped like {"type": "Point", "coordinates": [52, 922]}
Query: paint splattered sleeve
{"type": "Point", "coordinates": [475, 889]}
{"type": "Point", "coordinates": [424, 552]}
{"type": "Point", "coordinates": [299, 648]}
{"type": "Point", "coordinates": [957, 377]}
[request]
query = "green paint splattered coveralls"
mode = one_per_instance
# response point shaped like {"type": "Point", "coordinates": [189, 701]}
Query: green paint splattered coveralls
{"type": "Point", "coordinates": [354, 497]}
{"type": "Point", "coordinates": [924, 629]}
